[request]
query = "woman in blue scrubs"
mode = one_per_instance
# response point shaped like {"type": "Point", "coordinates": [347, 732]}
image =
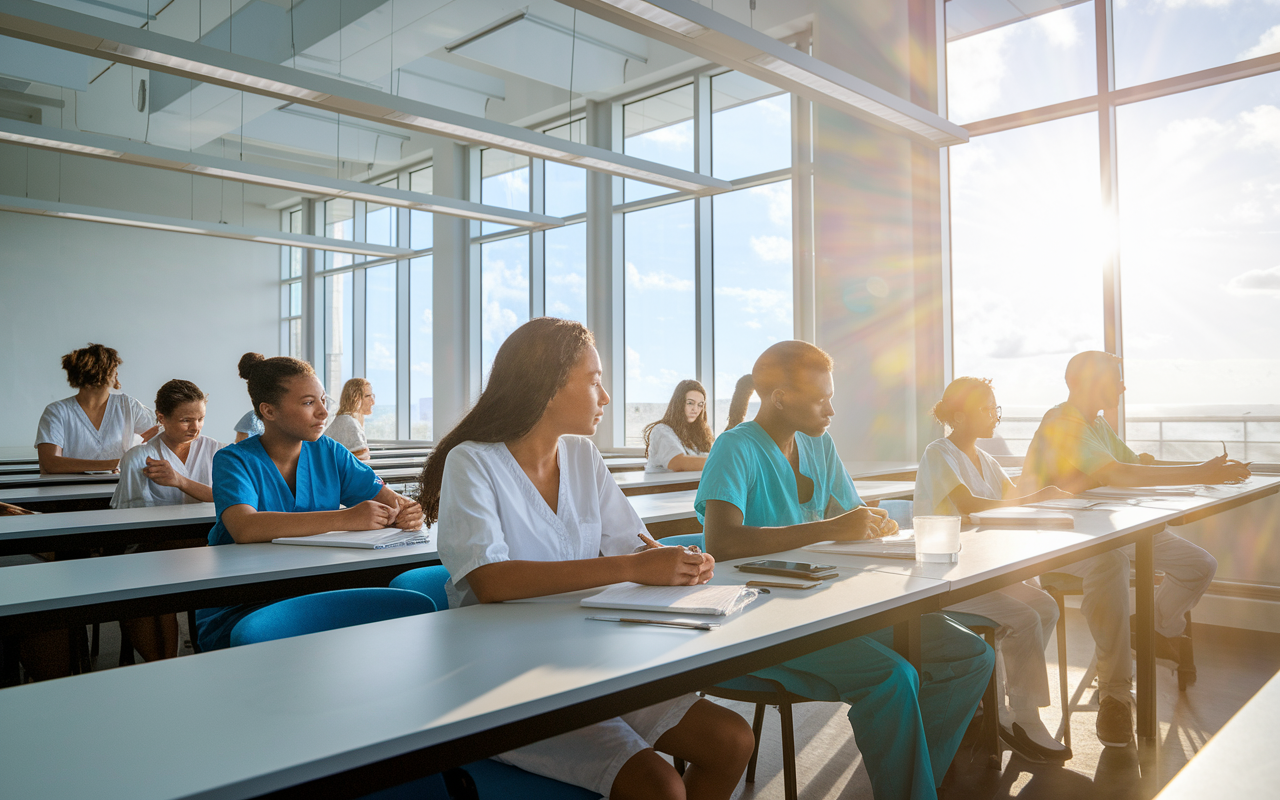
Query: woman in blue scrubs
{"type": "Point", "coordinates": [291, 480]}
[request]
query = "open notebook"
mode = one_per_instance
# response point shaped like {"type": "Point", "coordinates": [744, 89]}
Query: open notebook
{"type": "Point", "coordinates": [1139, 492]}
{"type": "Point", "coordinates": [900, 545]}
{"type": "Point", "coordinates": [364, 540]}
{"type": "Point", "coordinates": [1022, 516]}
{"type": "Point", "coordinates": [717, 601]}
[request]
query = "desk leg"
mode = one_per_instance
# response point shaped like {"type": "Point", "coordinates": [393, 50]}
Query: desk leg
{"type": "Point", "coordinates": [906, 641]}
{"type": "Point", "coordinates": [1146, 622]}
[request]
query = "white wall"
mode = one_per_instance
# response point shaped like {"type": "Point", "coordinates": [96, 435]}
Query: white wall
{"type": "Point", "coordinates": [174, 305]}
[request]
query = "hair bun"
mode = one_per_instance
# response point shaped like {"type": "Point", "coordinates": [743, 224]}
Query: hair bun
{"type": "Point", "coordinates": [248, 361]}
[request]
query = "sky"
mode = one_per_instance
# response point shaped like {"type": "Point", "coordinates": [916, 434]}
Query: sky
{"type": "Point", "coordinates": [1199, 207]}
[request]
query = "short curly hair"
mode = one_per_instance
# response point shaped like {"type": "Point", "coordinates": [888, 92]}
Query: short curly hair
{"type": "Point", "coordinates": [93, 365]}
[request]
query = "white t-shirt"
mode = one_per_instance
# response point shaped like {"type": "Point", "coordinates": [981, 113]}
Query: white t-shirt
{"type": "Point", "coordinates": [490, 511]}
{"type": "Point", "coordinates": [65, 424]}
{"type": "Point", "coordinates": [943, 467]}
{"type": "Point", "coordinates": [249, 425]}
{"type": "Point", "coordinates": [347, 432]}
{"type": "Point", "coordinates": [664, 445]}
{"type": "Point", "coordinates": [136, 490]}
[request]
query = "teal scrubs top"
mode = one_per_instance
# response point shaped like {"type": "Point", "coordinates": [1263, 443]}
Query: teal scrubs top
{"type": "Point", "coordinates": [1068, 450]}
{"type": "Point", "coordinates": [746, 468]}
{"type": "Point", "coordinates": [327, 478]}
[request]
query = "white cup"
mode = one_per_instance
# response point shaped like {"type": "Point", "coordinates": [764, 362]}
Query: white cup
{"type": "Point", "coordinates": [937, 538]}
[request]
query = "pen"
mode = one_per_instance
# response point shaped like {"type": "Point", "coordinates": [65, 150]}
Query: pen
{"type": "Point", "coordinates": [671, 623]}
{"type": "Point", "coordinates": [652, 543]}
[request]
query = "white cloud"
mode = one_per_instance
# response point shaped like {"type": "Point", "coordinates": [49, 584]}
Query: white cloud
{"type": "Point", "coordinates": [1256, 281]}
{"type": "Point", "coordinates": [1193, 3]}
{"type": "Point", "coordinates": [1267, 44]}
{"type": "Point", "coordinates": [497, 322]}
{"type": "Point", "coordinates": [1261, 127]}
{"type": "Point", "coordinates": [678, 135]}
{"type": "Point", "coordinates": [778, 196]}
{"type": "Point", "coordinates": [761, 302]}
{"type": "Point", "coordinates": [772, 249]}
{"type": "Point", "coordinates": [655, 280]}
{"type": "Point", "coordinates": [976, 66]}
{"type": "Point", "coordinates": [381, 357]}
{"type": "Point", "coordinates": [633, 364]}
{"type": "Point", "coordinates": [1184, 136]}
{"type": "Point", "coordinates": [1059, 28]}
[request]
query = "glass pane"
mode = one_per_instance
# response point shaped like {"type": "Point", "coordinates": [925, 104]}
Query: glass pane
{"type": "Point", "coordinates": [752, 242]}
{"type": "Point", "coordinates": [1199, 231]}
{"type": "Point", "coordinates": [295, 221]}
{"type": "Point", "coordinates": [566, 186]}
{"type": "Point", "coordinates": [380, 349]}
{"type": "Point", "coordinates": [1030, 63]}
{"type": "Point", "coordinates": [338, 215]}
{"type": "Point", "coordinates": [421, 180]}
{"type": "Point", "coordinates": [296, 255]}
{"type": "Point", "coordinates": [504, 294]}
{"type": "Point", "coordinates": [295, 338]}
{"type": "Point", "coordinates": [566, 272]}
{"type": "Point", "coordinates": [380, 225]}
{"type": "Point", "coordinates": [749, 135]}
{"type": "Point", "coordinates": [504, 182]}
{"type": "Point", "coordinates": [421, 230]}
{"type": "Point", "coordinates": [338, 306]}
{"type": "Point", "coordinates": [1158, 39]}
{"type": "Point", "coordinates": [295, 299]}
{"type": "Point", "coordinates": [659, 311]}
{"type": "Point", "coordinates": [1026, 264]}
{"type": "Point", "coordinates": [420, 352]}
{"type": "Point", "coordinates": [658, 128]}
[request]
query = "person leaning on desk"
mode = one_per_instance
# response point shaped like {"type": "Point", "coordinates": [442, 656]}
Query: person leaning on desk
{"type": "Point", "coordinates": [291, 480]}
{"type": "Point", "coordinates": [1076, 449]}
{"type": "Point", "coordinates": [907, 728]}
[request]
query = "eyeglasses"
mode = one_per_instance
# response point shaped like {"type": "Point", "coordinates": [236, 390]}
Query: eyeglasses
{"type": "Point", "coordinates": [694, 404]}
{"type": "Point", "coordinates": [992, 411]}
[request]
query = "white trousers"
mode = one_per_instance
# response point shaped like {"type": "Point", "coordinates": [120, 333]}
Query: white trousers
{"type": "Point", "coordinates": [1026, 615]}
{"type": "Point", "coordinates": [1188, 571]}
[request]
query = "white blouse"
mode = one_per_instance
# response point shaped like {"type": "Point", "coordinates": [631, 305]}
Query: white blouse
{"type": "Point", "coordinates": [490, 511]}
{"type": "Point", "coordinates": [943, 467]}
{"type": "Point", "coordinates": [347, 432]}
{"type": "Point", "coordinates": [65, 424]}
{"type": "Point", "coordinates": [665, 445]}
{"type": "Point", "coordinates": [136, 490]}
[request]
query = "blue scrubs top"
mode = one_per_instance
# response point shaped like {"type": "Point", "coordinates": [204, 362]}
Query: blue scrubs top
{"type": "Point", "coordinates": [328, 477]}
{"type": "Point", "coordinates": [746, 468]}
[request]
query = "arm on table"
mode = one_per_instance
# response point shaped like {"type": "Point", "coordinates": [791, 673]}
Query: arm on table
{"type": "Point", "coordinates": [728, 538]}
{"type": "Point", "coordinates": [246, 524]}
{"type": "Point", "coordinates": [686, 463]}
{"type": "Point", "coordinates": [967, 503]}
{"type": "Point", "coordinates": [655, 566]}
{"type": "Point", "coordinates": [1216, 470]}
{"type": "Point", "coordinates": [52, 461]}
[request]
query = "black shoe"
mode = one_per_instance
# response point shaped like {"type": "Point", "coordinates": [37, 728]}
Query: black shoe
{"type": "Point", "coordinates": [1020, 744]}
{"type": "Point", "coordinates": [1115, 723]}
{"type": "Point", "coordinates": [1018, 739]}
{"type": "Point", "coordinates": [1167, 649]}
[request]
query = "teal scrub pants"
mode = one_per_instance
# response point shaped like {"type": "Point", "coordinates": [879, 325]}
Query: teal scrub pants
{"type": "Point", "coordinates": [907, 727]}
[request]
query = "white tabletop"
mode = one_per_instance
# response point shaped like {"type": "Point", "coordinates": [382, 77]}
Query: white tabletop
{"type": "Point", "coordinates": [35, 479]}
{"type": "Point", "coordinates": [875, 469]}
{"type": "Point", "coordinates": [18, 455]}
{"type": "Point", "coordinates": [372, 692]}
{"type": "Point", "coordinates": [628, 480]}
{"type": "Point", "coordinates": [672, 506]}
{"type": "Point", "coordinates": [1240, 760]}
{"type": "Point", "coordinates": [56, 492]}
{"type": "Point", "coordinates": [25, 468]}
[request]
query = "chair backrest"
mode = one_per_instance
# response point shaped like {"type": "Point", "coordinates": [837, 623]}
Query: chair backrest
{"type": "Point", "coordinates": [900, 511]}
{"type": "Point", "coordinates": [685, 540]}
{"type": "Point", "coordinates": [326, 611]}
{"type": "Point", "coordinates": [426, 580]}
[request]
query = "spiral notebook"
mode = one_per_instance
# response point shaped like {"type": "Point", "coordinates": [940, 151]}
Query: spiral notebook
{"type": "Point", "coordinates": [900, 545]}
{"type": "Point", "coordinates": [719, 601]}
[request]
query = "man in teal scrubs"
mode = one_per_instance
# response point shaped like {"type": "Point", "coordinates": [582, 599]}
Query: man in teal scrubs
{"type": "Point", "coordinates": [776, 483]}
{"type": "Point", "coordinates": [1076, 449]}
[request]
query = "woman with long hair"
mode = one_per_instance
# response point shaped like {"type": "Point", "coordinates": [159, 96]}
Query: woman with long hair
{"type": "Point", "coordinates": [347, 428]}
{"type": "Point", "coordinates": [292, 480]}
{"type": "Point", "coordinates": [91, 430]}
{"type": "Point", "coordinates": [957, 477]}
{"type": "Point", "coordinates": [527, 508]}
{"type": "Point", "coordinates": [742, 391]}
{"type": "Point", "coordinates": [680, 441]}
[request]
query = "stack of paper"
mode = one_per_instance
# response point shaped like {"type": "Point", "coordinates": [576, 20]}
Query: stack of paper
{"type": "Point", "coordinates": [365, 540]}
{"type": "Point", "coordinates": [717, 601]}
{"type": "Point", "coordinates": [1022, 517]}
{"type": "Point", "coordinates": [1140, 492]}
{"type": "Point", "coordinates": [900, 545]}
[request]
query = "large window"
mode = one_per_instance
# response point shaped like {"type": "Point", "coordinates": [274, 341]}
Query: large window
{"type": "Point", "coordinates": [420, 349]}
{"type": "Point", "coordinates": [380, 349]}
{"type": "Point", "coordinates": [338, 330]}
{"type": "Point", "coordinates": [504, 294]}
{"type": "Point", "coordinates": [658, 128]}
{"type": "Point", "coordinates": [1190, 236]}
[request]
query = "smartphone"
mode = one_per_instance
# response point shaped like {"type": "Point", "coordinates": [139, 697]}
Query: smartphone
{"type": "Point", "coordinates": [790, 569]}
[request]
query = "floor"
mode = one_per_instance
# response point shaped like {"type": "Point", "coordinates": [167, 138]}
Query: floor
{"type": "Point", "coordinates": [1233, 666]}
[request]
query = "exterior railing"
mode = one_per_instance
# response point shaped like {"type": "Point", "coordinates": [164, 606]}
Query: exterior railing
{"type": "Point", "coordinates": [1176, 438]}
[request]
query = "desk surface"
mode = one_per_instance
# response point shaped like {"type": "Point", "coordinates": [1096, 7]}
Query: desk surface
{"type": "Point", "coordinates": [373, 692]}
{"type": "Point", "coordinates": [56, 492]}
{"type": "Point", "coordinates": [1240, 759]}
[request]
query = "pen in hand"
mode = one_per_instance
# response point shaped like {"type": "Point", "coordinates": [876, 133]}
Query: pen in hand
{"type": "Point", "coordinates": [651, 543]}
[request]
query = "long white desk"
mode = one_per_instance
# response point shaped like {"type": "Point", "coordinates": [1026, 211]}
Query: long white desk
{"type": "Point", "coordinates": [36, 479]}
{"type": "Point", "coordinates": [642, 482]}
{"type": "Point", "coordinates": [368, 706]}
{"type": "Point", "coordinates": [1240, 760]}
{"type": "Point", "coordinates": [38, 496]}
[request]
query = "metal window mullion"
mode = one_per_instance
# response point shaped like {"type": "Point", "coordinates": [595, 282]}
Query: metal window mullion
{"type": "Point", "coordinates": [803, 275]}
{"type": "Point", "coordinates": [605, 290]}
{"type": "Point", "coordinates": [703, 257]}
{"type": "Point", "coordinates": [403, 399]}
{"type": "Point", "coordinates": [537, 240]}
{"type": "Point", "coordinates": [1112, 331]}
{"type": "Point", "coordinates": [475, 305]}
{"type": "Point", "coordinates": [311, 298]}
{"type": "Point", "coordinates": [359, 318]}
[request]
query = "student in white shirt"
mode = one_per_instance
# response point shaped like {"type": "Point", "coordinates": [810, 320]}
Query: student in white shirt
{"type": "Point", "coordinates": [91, 430]}
{"type": "Point", "coordinates": [527, 508]}
{"type": "Point", "coordinates": [680, 441]}
{"type": "Point", "coordinates": [956, 477]}
{"type": "Point", "coordinates": [175, 467]}
{"type": "Point", "coordinates": [347, 426]}
{"type": "Point", "coordinates": [249, 425]}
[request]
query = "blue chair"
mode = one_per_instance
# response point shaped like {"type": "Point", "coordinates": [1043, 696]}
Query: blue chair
{"type": "Point", "coordinates": [426, 580]}
{"type": "Point", "coordinates": [325, 611]}
{"type": "Point", "coordinates": [492, 778]}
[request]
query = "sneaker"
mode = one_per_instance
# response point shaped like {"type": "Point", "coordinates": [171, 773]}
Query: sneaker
{"type": "Point", "coordinates": [1115, 723]}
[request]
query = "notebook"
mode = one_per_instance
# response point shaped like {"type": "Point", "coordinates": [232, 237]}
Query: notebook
{"type": "Point", "coordinates": [364, 540]}
{"type": "Point", "coordinates": [1021, 516]}
{"type": "Point", "coordinates": [900, 545]}
{"type": "Point", "coordinates": [719, 601]}
{"type": "Point", "coordinates": [1140, 492]}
